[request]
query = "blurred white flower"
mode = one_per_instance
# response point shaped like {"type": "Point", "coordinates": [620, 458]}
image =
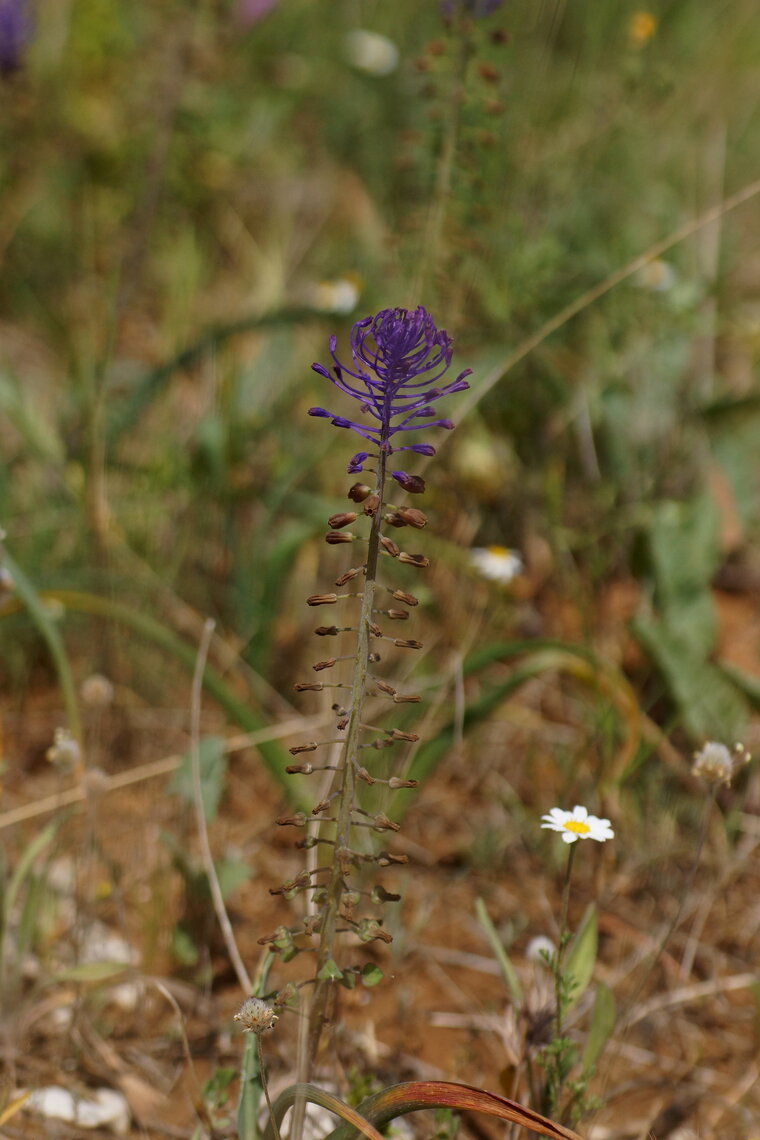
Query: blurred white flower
{"type": "Point", "coordinates": [540, 949]}
{"type": "Point", "coordinates": [497, 563]}
{"type": "Point", "coordinates": [371, 52]}
{"type": "Point", "coordinates": [105, 1108]}
{"type": "Point", "coordinates": [657, 276]}
{"type": "Point", "coordinates": [716, 765]}
{"type": "Point", "coordinates": [341, 295]}
{"type": "Point", "coordinates": [577, 824]}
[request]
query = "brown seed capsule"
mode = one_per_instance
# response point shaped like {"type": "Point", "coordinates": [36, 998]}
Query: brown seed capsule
{"type": "Point", "coordinates": [395, 783]}
{"type": "Point", "coordinates": [398, 615]}
{"type": "Point", "coordinates": [418, 560]}
{"type": "Point", "coordinates": [382, 823]}
{"type": "Point", "coordinates": [386, 859]}
{"type": "Point", "coordinates": [364, 775]}
{"type": "Point", "coordinates": [308, 687]}
{"type": "Point", "coordinates": [323, 805]}
{"type": "Point", "coordinates": [322, 600]}
{"type": "Point", "coordinates": [298, 748]}
{"type": "Point", "coordinates": [384, 687]}
{"type": "Point", "coordinates": [371, 505]}
{"type": "Point", "coordinates": [399, 699]}
{"type": "Point", "coordinates": [412, 517]}
{"type": "Point", "coordinates": [335, 522]}
{"type": "Point", "coordinates": [333, 537]}
{"type": "Point", "coordinates": [379, 745]}
{"type": "Point", "coordinates": [326, 630]}
{"type": "Point", "coordinates": [407, 644]}
{"type": "Point", "coordinates": [359, 492]}
{"type": "Point", "coordinates": [349, 574]}
{"type": "Point", "coordinates": [389, 545]}
{"type": "Point", "coordinates": [374, 658]}
{"type": "Point", "coordinates": [299, 769]}
{"type": "Point", "coordinates": [320, 665]}
{"type": "Point", "coordinates": [375, 629]}
{"type": "Point", "coordinates": [393, 518]}
{"type": "Point", "coordinates": [407, 599]}
{"type": "Point", "coordinates": [414, 484]}
{"type": "Point", "coordinates": [397, 734]}
{"type": "Point", "coordinates": [342, 723]}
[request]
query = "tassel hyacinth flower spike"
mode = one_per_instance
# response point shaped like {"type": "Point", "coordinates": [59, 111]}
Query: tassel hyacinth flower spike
{"type": "Point", "coordinates": [398, 360]}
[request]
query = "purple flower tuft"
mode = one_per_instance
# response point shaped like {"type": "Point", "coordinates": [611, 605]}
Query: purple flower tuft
{"type": "Point", "coordinates": [397, 358]}
{"type": "Point", "coordinates": [356, 463]}
{"type": "Point", "coordinates": [15, 30]}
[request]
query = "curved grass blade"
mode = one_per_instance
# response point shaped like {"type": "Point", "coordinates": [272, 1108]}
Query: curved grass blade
{"type": "Point", "coordinates": [415, 1095]}
{"type": "Point", "coordinates": [354, 1120]}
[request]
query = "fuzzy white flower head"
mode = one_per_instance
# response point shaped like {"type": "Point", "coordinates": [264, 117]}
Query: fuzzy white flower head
{"type": "Point", "coordinates": [540, 949]}
{"type": "Point", "coordinates": [255, 1016]}
{"type": "Point", "coordinates": [371, 52]}
{"type": "Point", "coordinates": [716, 765]}
{"type": "Point", "coordinates": [577, 824]}
{"type": "Point", "coordinates": [497, 563]}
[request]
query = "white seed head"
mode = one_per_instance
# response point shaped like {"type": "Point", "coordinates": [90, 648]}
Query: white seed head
{"type": "Point", "coordinates": [255, 1016]}
{"type": "Point", "coordinates": [716, 765]}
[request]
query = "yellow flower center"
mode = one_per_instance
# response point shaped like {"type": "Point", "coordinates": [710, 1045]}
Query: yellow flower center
{"type": "Point", "coordinates": [577, 826]}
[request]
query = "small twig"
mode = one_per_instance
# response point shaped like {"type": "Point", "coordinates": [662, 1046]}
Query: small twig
{"type": "Point", "coordinates": [208, 860]}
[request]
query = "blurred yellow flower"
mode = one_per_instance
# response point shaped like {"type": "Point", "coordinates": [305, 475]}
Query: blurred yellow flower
{"type": "Point", "coordinates": [641, 27]}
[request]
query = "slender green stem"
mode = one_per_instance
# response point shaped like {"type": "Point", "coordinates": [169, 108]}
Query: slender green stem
{"type": "Point", "coordinates": [265, 1085]}
{"type": "Point", "coordinates": [347, 776]}
{"type": "Point", "coordinates": [559, 995]}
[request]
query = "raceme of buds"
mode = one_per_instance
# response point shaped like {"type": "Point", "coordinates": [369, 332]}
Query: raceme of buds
{"type": "Point", "coordinates": [396, 376]}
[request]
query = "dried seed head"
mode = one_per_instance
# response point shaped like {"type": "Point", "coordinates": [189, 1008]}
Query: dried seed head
{"type": "Point", "coordinates": [97, 691]}
{"type": "Point", "coordinates": [397, 615]}
{"type": "Point", "coordinates": [297, 748]}
{"type": "Point", "coordinates": [255, 1016]}
{"type": "Point", "coordinates": [397, 734]}
{"type": "Point", "coordinates": [384, 687]}
{"type": "Point", "coordinates": [299, 769]}
{"type": "Point", "coordinates": [393, 518]}
{"type": "Point", "coordinates": [407, 644]}
{"type": "Point", "coordinates": [65, 752]}
{"type": "Point", "coordinates": [395, 783]}
{"type": "Point", "coordinates": [390, 546]}
{"type": "Point", "coordinates": [326, 630]}
{"type": "Point", "coordinates": [371, 504]}
{"type": "Point", "coordinates": [335, 537]}
{"type": "Point", "coordinates": [308, 687]}
{"type": "Point", "coordinates": [322, 600]}
{"type": "Point", "coordinates": [716, 765]}
{"type": "Point", "coordinates": [324, 664]}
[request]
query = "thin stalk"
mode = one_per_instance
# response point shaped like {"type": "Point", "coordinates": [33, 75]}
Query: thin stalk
{"type": "Point", "coordinates": [347, 776]}
{"type": "Point", "coordinates": [558, 995]}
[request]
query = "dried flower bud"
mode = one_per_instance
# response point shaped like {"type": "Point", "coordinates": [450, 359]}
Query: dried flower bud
{"type": "Point", "coordinates": [395, 783]}
{"type": "Point", "coordinates": [371, 504]}
{"type": "Point", "coordinates": [363, 774]}
{"type": "Point", "coordinates": [373, 658]}
{"type": "Point", "coordinates": [382, 823]}
{"type": "Point", "coordinates": [412, 517]}
{"type": "Point", "coordinates": [384, 687]}
{"type": "Point", "coordinates": [414, 484]}
{"type": "Point", "coordinates": [380, 895]}
{"type": "Point", "coordinates": [408, 599]}
{"type": "Point", "coordinates": [299, 769]}
{"type": "Point", "coordinates": [408, 700]}
{"type": "Point", "coordinates": [397, 734]}
{"type": "Point", "coordinates": [418, 560]}
{"type": "Point", "coordinates": [297, 820]}
{"type": "Point", "coordinates": [308, 687]}
{"type": "Point", "coordinates": [386, 859]}
{"type": "Point", "coordinates": [407, 644]}
{"type": "Point", "coordinates": [390, 546]}
{"type": "Point", "coordinates": [335, 522]}
{"type": "Point", "coordinates": [397, 615]}
{"type": "Point", "coordinates": [383, 742]}
{"type": "Point", "coordinates": [359, 492]}
{"type": "Point", "coordinates": [323, 805]}
{"type": "Point", "coordinates": [334, 537]}
{"type": "Point", "coordinates": [326, 630]}
{"type": "Point", "coordinates": [375, 629]}
{"type": "Point", "coordinates": [322, 600]}
{"type": "Point", "coordinates": [298, 748]}
{"type": "Point", "coordinates": [347, 577]}
{"type": "Point", "coordinates": [65, 752]}
{"type": "Point", "coordinates": [255, 1016]}
{"type": "Point", "coordinates": [324, 664]}
{"type": "Point", "coordinates": [342, 723]}
{"type": "Point", "coordinates": [393, 518]}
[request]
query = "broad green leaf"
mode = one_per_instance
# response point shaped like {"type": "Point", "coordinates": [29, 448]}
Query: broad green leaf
{"type": "Point", "coordinates": [505, 965]}
{"type": "Point", "coordinates": [602, 1025]}
{"type": "Point", "coordinates": [93, 972]}
{"type": "Point", "coordinates": [581, 957]}
{"type": "Point", "coordinates": [331, 971]}
{"type": "Point", "coordinates": [213, 764]}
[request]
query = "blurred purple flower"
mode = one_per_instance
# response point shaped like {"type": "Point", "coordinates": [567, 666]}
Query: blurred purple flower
{"type": "Point", "coordinates": [249, 12]}
{"type": "Point", "coordinates": [398, 356]}
{"type": "Point", "coordinates": [15, 29]}
{"type": "Point", "coordinates": [477, 8]}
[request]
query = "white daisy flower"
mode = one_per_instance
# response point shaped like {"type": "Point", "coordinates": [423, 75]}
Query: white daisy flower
{"type": "Point", "coordinates": [577, 824]}
{"type": "Point", "coordinates": [497, 563]}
